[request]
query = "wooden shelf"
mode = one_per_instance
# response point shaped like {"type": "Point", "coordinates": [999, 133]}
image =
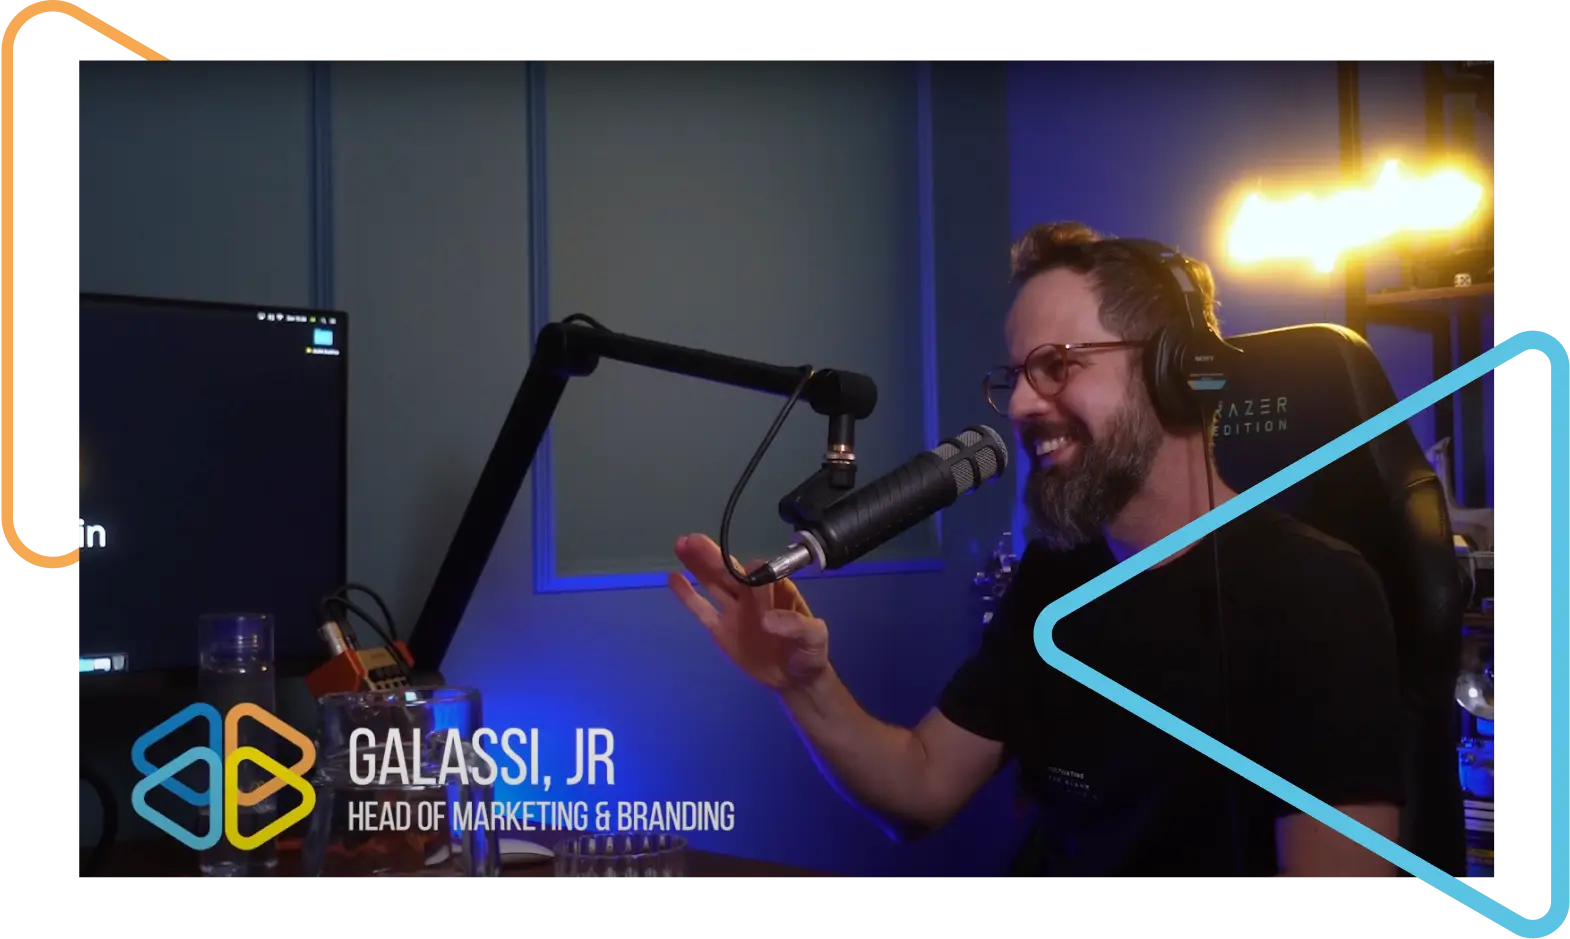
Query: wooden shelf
{"type": "Point", "coordinates": [1433, 295]}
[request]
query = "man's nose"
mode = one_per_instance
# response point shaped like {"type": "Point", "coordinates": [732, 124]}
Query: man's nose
{"type": "Point", "coordinates": [1025, 403]}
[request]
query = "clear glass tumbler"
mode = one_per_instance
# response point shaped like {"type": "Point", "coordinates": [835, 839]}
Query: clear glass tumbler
{"type": "Point", "coordinates": [383, 806]}
{"type": "Point", "coordinates": [622, 855]}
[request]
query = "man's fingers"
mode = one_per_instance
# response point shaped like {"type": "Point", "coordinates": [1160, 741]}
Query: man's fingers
{"type": "Point", "coordinates": [699, 554]}
{"type": "Point", "coordinates": [702, 558]}
{"type": "Point", "coordinates": [694, 601]}
{"type": "Point", "coordinates": [758, 599]}
{"type": "Point", "coordinates": [787, 597]}
{"type": "Point", "coordinates": [791, 626]}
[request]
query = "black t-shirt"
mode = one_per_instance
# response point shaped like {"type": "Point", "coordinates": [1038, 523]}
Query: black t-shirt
{"type": "Point", "coordinates": [1313, 696]}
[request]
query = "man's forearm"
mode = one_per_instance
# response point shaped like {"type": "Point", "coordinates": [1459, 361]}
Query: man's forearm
{"type": "Point", "coordinates": [881, 768]}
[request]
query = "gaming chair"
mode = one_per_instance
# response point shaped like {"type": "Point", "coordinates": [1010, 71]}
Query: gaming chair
{"type": "Point", "coordinates": [1296, 389]}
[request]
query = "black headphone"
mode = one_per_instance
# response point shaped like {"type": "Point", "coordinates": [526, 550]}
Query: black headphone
{"type": "Point", "coordinates": [1187, 362]}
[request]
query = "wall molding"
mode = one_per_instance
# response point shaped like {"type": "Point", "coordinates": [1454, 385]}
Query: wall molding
{"type": "Point", "coordinates": [323, 228]}
{"type": "Point", "coordinates": [546, 577]}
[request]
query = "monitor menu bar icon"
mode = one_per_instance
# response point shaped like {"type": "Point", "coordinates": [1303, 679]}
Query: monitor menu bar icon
{"type": "Point", "coordinates": [308, 319]}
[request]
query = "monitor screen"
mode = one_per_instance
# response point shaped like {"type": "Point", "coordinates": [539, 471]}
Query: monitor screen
{"type": "Point", "coordinates": [213, 460]}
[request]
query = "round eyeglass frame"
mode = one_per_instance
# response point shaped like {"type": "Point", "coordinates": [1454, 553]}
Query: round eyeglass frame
{"type": "Point", "coordinates": [1004, 378]}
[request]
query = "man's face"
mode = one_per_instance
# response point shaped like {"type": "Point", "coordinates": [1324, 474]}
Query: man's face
{"type": "Point", "coordinates": [1092, 437]}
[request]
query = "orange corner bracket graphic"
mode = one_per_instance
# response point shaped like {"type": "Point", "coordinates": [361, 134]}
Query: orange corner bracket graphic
{"type": "Point", "coordinates": [8, 271]}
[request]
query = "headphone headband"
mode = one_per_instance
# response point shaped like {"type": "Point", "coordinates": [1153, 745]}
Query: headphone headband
{"type": "Point", "coordinates": [1174, 273]}
{"type": "Point", "coordinates": [1186, 364]}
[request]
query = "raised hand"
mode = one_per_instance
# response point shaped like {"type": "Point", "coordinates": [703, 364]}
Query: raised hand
{"type": "Point", "coordinates": [768, 631]}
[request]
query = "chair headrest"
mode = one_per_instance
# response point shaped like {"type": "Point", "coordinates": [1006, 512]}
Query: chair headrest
{"type": "Point", "coordinates": [1296, 389]}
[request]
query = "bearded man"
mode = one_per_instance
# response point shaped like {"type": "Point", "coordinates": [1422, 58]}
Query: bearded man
{"type": "Point", "coordinates": [1302, 679]}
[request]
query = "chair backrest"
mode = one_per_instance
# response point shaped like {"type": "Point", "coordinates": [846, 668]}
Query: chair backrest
{"type": "Point", "coordinates": [1296, 389]}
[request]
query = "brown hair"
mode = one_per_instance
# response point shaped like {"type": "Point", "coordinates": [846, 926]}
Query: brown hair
{"type": "Point", "coordinates": [1133, 303]}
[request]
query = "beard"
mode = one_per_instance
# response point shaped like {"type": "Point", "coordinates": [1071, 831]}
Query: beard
{"type": "Point", "coordinates": [1070, 505]}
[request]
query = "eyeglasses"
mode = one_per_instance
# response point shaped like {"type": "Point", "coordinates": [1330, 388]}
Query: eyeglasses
{"type": "Point", "coordinates": [1047, 368]}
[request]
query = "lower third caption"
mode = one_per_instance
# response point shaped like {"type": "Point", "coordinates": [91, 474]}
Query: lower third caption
{"type": "Point", "coordinates": [433, 815]}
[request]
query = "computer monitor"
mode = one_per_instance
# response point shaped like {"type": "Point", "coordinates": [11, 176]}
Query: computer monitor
{"type": "Point", "coordinates": [213, 476]}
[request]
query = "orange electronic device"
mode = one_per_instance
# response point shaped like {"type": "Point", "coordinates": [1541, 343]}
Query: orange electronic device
{"type": "Point", "coordinates": [354, 669]}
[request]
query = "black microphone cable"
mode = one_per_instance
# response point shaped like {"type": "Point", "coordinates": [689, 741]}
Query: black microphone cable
{"type": "Point", "coordinates": [1234, 823]}
{"type": "Point", "coordinates": [752, 465]}
{"type": "Point", "coordinates": [337, 606]}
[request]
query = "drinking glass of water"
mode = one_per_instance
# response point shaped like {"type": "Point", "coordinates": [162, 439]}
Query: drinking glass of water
{"type": "Point", "coordinates": [622, 855]}
{"type": "Point", "coordinates": [398, 787]}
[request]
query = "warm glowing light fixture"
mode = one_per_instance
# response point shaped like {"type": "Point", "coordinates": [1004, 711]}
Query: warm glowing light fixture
{"type": "Point", "coordinates": [1318, 229]}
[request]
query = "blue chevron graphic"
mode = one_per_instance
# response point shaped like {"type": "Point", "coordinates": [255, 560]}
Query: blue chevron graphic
{"type": "Point", "coordinates": [138, 751]}
{"type": "Point", "coordinates": [1558, 702]}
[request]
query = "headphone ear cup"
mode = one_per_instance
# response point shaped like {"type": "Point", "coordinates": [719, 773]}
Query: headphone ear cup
{"type": "Point", "coordinates": [1164, 378]}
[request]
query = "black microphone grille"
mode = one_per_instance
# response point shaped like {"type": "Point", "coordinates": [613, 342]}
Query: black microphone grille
{"type": "Point", "coordinates": [974, 456]}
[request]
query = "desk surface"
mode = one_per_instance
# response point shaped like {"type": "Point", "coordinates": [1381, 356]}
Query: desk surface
{"type": "Point", "coordinates": [163, 857]}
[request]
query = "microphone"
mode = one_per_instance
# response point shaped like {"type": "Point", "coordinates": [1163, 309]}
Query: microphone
{"type": "Point", "coordinates": [892, 504]}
